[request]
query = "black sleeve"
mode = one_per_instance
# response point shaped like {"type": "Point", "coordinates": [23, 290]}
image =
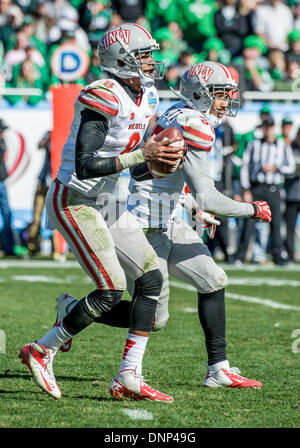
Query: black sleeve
{"type": "Point", "coordinates": [141, 172]}
{"type": "Point", "coordinates": [90, 138]}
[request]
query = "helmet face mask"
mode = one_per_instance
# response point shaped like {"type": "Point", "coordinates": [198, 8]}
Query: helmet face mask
{"type": "Point", "coordinates": [137, 61]}
{"type": "Point", "coordinates": [228, 94]}
{"type": "Point", "coordinates": [203, 85]}
{"type": "Point", "coordinates": [122, 51]}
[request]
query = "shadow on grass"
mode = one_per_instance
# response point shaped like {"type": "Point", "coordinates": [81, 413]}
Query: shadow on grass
{"type": "Point", "coordinates": [39, 396]}
{"type": "Point", "coordinates": [27, 376]}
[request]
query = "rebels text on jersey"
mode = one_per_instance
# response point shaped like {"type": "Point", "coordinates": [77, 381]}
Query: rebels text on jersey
{"type": "Point", "coordinates": [127, 123]}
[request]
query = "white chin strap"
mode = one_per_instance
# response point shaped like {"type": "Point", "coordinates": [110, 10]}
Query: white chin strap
{"type": "Point", "coordinates": [213, 120]}
{"type": "Point", "coordinates": [146, 81]}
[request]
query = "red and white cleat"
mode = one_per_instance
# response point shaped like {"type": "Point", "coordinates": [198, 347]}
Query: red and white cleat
{"type": "Point", "coordinates": [63, 308]}
{"type": "Point", "coordinates": [229, 378]}
{"type": "Point", "coordinates": [130, 385]}
{"type": "Point", "coordinates": [39, 361]}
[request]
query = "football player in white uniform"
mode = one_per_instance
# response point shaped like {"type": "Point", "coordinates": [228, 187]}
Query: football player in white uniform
{"type": "Point", "coordinates": [110, 120]}
{"type": "Point", "coordinates": [207, 93]}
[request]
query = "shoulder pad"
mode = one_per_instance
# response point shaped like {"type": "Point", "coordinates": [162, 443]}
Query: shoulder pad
{"type": "Point", "coordinates": [197, 132]}
{"type": "Point", "coordinates": [100, 97]}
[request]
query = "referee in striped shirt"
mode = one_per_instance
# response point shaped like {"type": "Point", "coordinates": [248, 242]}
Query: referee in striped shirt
{"type": "Point", "coordinates": [265, 163]}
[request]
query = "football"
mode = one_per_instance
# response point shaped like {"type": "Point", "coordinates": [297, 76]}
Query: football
{"type": "Point", "coordinates": [159, 169]}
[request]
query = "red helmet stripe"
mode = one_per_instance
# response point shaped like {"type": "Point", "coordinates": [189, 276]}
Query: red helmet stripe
{"type": "Point", "coordinates": [145, 31]}
{"type": "Point", "coordinates": [225, 70]}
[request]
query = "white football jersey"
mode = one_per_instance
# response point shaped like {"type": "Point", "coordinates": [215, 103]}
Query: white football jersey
{"type": "Point", "coordinates": [127, 123]}
{"type": "Point", "coordinates": [154, 201]}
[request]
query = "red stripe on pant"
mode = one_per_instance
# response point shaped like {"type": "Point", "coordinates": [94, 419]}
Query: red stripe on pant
{"type": "Point", "coordinates": [89, 249]}
{"type": "Point", "coordinates": [60, 219]}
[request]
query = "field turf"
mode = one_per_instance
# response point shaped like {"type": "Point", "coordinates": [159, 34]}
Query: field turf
{"type": "Point", "coordinates": [263, 342]}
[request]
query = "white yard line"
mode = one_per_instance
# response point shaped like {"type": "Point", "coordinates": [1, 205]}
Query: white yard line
{"type": "Point", "coordinates": [4, 264]}
{"type": "Point", "coordinates": [190, 310]}
{"type": "Point", "coordinates": [251, 281]}
{"type": "Point", "coordinates": [38, 278]}
{"type": "Point", "coordinates": [47, 279]}
{"type": "Point", "coordinates": [47, 264]}
{"type": "Point", "coordinates": [266, 302]}
{"type": "Point", "coordinates": [256, 267]}
{"type": "Point", "coordinates": [233, 280]}
{"type": "Point", "coordinates": [137, 414]}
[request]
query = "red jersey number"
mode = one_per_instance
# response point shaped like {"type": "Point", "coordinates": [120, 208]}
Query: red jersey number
{"type": "Point", "coordinates": [109, 84]}
{"type": "Point", "coordinates": [133, 141]}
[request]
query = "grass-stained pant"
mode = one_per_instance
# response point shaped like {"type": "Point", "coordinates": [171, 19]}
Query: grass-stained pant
{"type": "Point", "coordinates": [182, 253]}
{"type": "Point", "coordinates": [101, 249]}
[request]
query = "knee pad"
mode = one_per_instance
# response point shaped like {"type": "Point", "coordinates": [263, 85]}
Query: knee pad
{"type": "Point", "coordinates": [216, 279]}
{"type": "Point", "coordinates": [99, 301]}
{"type": "Point", "coordinates": [149, 284]}
{"type": "Point", "coordinates": [77, 319]}
{"type": "Point", "coordinates": [144, 303]}
{"type": "Point", "coordinates": [221, 279]}
{"type": "Point", "coordinates": [118, 316]}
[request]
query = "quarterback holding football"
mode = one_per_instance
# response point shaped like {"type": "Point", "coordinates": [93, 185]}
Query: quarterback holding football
{"type": "Point", "coordinates": [110, 120]}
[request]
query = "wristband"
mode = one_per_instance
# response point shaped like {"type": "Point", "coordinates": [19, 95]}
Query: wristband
{"type": "Point", "coordinates": [132, 158]}
{"type": "Point", "coordinates": [256, 211]}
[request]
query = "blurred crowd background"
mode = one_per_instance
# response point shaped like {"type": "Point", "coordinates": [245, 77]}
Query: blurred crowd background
{"type": "Point", "coordinates": [259, 39]}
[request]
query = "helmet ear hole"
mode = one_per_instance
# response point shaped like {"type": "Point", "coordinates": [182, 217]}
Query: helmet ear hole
{"type": "Point", "coordinates": [121, 63]}
{"type": "Point", "coordinates": [196, 96]}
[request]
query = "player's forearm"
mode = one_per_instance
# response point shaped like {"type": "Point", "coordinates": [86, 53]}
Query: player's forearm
{"type": "Point", "coordinates": [94, 167]}
{"type": "Point", "coordinates": [220, 205]}
{"type": "Point", "coordinates": [196, 173]}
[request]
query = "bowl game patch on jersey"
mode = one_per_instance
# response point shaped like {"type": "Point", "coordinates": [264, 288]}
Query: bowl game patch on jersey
{"type": "Point", "coordinates": [152, 100]}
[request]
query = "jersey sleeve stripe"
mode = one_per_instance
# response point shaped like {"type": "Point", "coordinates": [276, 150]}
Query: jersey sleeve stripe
{"type": "Point", "coordinates": [103, 95]}
{"type": "Point", "coordinates": [196, 145]}
{"type": "Point", "coordinates": [96, 105]}
{"type": "Point", "coordinates": [198, 133]}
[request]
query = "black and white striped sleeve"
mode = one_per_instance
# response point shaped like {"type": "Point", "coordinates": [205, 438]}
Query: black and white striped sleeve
{"type": "Point", "coordinates": [288, 166]}
{"type": "Point", "coordinates": [245, 168]}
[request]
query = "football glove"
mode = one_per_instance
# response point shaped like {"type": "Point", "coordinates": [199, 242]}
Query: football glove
{"type": "Point", "coordinates": [208, 221]}
{"type": "Point", "coordinates": [262, 211]}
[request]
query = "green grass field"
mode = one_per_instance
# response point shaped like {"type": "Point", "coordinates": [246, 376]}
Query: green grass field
{"type": "Point", "coordinates": [259, 337]}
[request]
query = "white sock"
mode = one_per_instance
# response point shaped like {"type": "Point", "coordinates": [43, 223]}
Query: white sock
{"type": "Point", "coordinates": [133, 353]}
{"type": "Point", "coordinates": [219, 365]}
{"type": "Point", "coordinates": [55, 338]}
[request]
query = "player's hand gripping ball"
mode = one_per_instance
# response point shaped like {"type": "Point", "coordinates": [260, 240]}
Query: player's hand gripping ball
{"type": "Point", "coordinates": [160, 169]}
